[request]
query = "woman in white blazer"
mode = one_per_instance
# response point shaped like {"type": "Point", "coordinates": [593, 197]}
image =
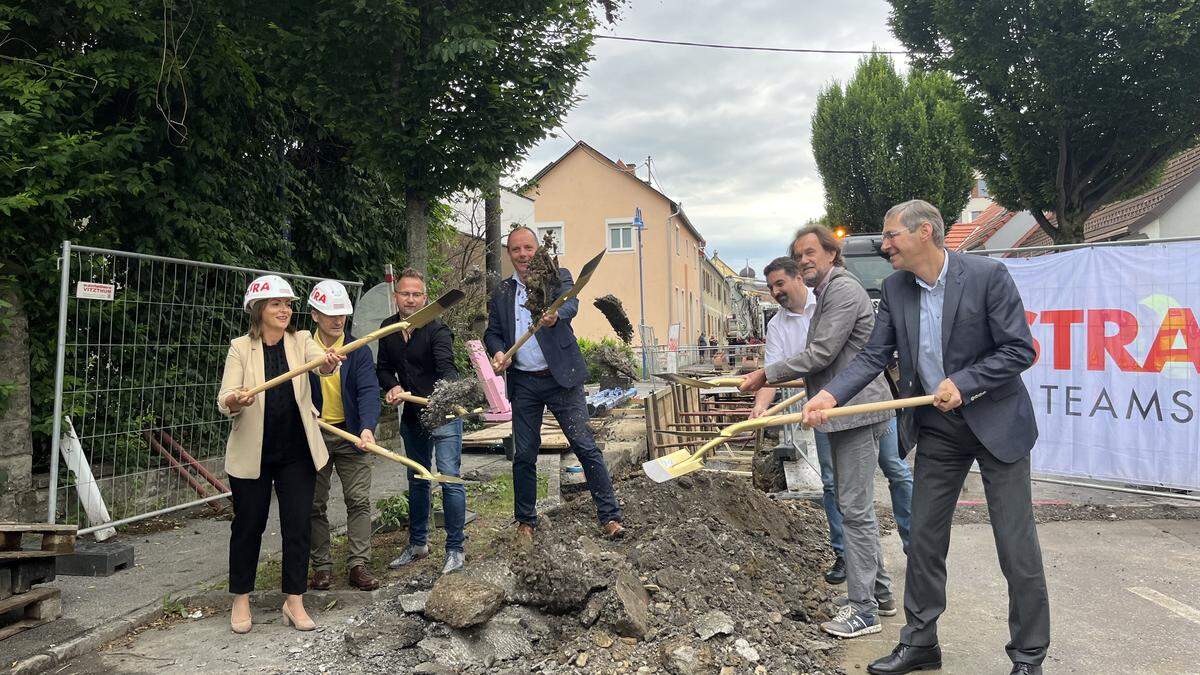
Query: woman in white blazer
{"type": "Point", "coordinates": [275, 442]}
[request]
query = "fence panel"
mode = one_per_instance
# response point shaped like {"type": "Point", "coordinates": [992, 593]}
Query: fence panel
{"type": "Point", "coordinates": [142, 345]}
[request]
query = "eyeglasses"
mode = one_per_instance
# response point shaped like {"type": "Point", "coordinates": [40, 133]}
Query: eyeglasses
{"type": "Point", "coordinates": [888, 236]}
{"type": "Point", "coordinates": [409, 294]}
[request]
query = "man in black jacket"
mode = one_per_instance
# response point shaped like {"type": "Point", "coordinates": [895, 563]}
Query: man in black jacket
{"type": "Point", "coordinates": [548, 372]}
{"type": "Point", "coordinates": [412, 361]}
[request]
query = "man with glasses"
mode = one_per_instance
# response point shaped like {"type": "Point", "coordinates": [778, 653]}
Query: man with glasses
{"type": "Point", "coordinates": [959, 326]}
{"type": "Point", "coordinates": [412, 361]}
{"type": "Point", "coordinates": [840, 326]}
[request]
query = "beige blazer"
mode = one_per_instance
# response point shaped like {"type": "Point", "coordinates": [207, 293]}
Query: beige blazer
{"type": "Point", "coordinates": [244, 369]}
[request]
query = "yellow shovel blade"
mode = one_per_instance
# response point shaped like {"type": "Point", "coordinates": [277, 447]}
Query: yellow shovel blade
{"type": "Point", "coordinates": [672, 466]}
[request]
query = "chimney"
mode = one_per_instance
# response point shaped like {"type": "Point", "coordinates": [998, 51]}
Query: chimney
{"type": "Point", "coordinates": [625, 167]}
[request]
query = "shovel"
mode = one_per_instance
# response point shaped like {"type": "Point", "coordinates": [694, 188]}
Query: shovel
{"type": "Point", "coordinates": [419, 318]}
{"type": "Point", "coordinates": [420, 472]}
{"type": "Point", "coordinates": [585, 275]}
{"type": "Point", "coordinates": [682, 462]}
{"type": "Point", "coordinates": [712, 382]}
{"type": "Point", "coordinates": [421, 400]}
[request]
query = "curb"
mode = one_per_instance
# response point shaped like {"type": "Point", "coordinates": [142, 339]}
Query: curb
{"type": "Point", "coordinates": [94, 638]}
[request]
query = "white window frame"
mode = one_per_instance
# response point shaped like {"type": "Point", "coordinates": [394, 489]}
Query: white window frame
{"type": "Point", "coordinates": [540, 228]}
{"type": "Point", "coordinates": [611, 224]}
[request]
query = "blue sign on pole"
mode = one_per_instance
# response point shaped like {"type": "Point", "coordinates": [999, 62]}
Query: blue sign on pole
{"type": "Point", "coordinates": [637, 218]}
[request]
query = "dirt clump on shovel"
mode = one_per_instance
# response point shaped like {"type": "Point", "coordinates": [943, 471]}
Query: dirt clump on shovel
{"type": "Point", "coordinates": [614, 361]}
{"type": "Point", "coordinates": [448, 397]}
{"type": "Point", "coordinates": [712, 575]}
{"type": "Point", "coordinates": [541, 279]}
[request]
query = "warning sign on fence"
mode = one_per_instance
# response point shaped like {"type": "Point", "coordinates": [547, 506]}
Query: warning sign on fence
{"type": "Point", "coordinates": [90, 290]}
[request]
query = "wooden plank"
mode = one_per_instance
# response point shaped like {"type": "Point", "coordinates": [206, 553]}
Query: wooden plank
{"type": "Point", "coordinates": [552, 436]}
{"type": "Point", "coordinates": [36, 527]}
{"type": "Point", "coordinates": [40, 606]}
{"type": "Point", "coordinates": [26, 555]}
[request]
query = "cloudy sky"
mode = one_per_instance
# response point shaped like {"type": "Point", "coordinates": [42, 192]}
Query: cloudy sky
{"type": "Point", "coordinates": [729, 132]}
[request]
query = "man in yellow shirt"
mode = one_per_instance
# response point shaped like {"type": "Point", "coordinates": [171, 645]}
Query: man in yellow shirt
{"type": "Point", "coordinates": [350, 401]}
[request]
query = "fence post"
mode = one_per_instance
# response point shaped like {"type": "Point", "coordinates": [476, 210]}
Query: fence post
{"type": "Point", "coordinates": [59, 362]}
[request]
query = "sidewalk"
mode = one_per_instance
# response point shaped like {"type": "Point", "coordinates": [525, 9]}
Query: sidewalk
{"type": "Point", "coordinates": [1124, 592]}
{"type": "Point", "coordinates": [176, 563]}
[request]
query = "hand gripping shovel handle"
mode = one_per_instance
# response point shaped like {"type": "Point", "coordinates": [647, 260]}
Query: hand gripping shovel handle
{"type": "Point", "coordinates": [585, 275]}
{"type": "Point", "coordinates": [420, 471]}
{"type": "Point", "coordinates": [860, 409]}
{"type": "Point", "coordinates": [419, 318]}
{"type": "Point", "coordinates": [680, 463]}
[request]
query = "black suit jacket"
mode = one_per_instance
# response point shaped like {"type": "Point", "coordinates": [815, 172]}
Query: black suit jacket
{"type": "Point", "coordinates": [558, 342]}
{"type": "Point", "coordinates": [427, 357]}
{"type": "Point", "coordinates": [986, 345]}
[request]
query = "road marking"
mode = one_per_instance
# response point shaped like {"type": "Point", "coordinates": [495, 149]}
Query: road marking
{"type": "Point", "coordinates": [1167, 602]}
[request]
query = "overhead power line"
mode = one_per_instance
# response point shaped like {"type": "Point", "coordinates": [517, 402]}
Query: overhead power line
{"type": "Point", "coordinates": [791, 50]}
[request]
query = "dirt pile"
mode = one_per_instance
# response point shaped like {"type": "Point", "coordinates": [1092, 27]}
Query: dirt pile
{"type": "Point", "coordinates": [713, 577]}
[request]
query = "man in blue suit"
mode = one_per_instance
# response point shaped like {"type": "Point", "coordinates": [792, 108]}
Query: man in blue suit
{"type": "Point", "coordinates": [548, 371]}
{"type": "Point", "coordinates": [959, 326]}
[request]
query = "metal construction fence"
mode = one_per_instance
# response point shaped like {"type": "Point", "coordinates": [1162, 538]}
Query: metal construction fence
{"type": "Point", "coordinates": [142, 342]}
{"type": "Point", "coordinates": [741, 358]}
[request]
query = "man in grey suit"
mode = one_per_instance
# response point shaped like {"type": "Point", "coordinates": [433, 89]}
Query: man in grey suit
{"type": "Point", "coordinates": [960, 329]}
{"type": "Point", "coordinates": [839, 329]}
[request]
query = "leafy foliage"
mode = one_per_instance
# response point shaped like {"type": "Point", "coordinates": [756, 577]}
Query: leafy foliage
{"type": "Point", "coordinates": [1071, 103]}
{"type": "Point", "coordinates": [299, 137]}
{"type": "Point", "coordinates": [434, 95]}
{"type": "Point", "coordinates": [882, 139]}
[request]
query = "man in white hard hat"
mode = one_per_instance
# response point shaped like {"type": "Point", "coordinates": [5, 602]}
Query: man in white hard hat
{"type": "Point", "coordinates": [348, 400]}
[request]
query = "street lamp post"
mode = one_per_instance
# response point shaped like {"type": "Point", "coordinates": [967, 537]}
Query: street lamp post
{"type": "Point", "coordinates": [639, 224]}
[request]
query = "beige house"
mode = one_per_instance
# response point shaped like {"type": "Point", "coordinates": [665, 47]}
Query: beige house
{"type": "Point", "coordinates": [587, 201]}
{"type": "Point", "coordinates": [716, 299]}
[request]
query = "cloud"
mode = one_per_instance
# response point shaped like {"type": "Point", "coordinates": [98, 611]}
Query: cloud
{"type": "Point", "coordinates": [728, 132]}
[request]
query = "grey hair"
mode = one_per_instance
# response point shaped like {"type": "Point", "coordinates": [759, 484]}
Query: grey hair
{"type": "Point", "coordinates": [916, 211]}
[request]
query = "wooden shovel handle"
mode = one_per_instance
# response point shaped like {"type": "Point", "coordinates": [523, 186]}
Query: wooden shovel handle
{"type": "Point", "coordinates": [377, 449]}
{"type": "Point", "coordinates": [784, 404]}
{"type": "Point", "coordinates": [319, 361]}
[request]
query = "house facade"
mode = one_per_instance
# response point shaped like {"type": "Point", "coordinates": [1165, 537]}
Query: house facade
{"type": "Point", "coordinates": [587, 201]}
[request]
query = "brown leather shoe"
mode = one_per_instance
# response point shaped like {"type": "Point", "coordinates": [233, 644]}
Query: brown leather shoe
{"type": "Point", "coordinates": [613, 529]}
{"type": "Point", "coordinates": [362, 579]}
{"type": "Point", "coordinates": [525, 532]}
{"type": "Point", "coordinates": [320, 580]}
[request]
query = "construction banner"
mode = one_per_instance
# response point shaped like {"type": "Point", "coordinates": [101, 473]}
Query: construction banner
{"type": "Point", "coordinates": [1116, 384]}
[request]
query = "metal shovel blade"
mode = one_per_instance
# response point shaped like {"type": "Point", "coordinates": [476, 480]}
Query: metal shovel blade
{"type": "Point", "coordinates": [434, 309]}
{"type": "Point", "coordinates": [675, 378]}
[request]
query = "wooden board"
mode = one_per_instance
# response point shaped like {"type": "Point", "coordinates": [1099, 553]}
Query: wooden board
{"type": "Point", "coordinates": [56, 538]}
{"type": "Point", "coordinates": [41, 605]}
{"type": "Point", "coordinates": [26, 555]}
{"type": "Point", "coordinates": [552, 436]}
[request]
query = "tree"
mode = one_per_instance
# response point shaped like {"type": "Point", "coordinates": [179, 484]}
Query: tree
{"type": "Point", "coordinates": [883, 139]}
{"type": "Point", "coordinates": [1072, 104]}
{"type": "Point", "coordinates": [147, 127]}
{"type": "Point", "coordinates": [436, 96]}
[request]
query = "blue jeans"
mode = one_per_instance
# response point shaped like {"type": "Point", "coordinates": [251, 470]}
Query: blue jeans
{"type": "Point", "coordinates": [900, 485]}
{"type": "Point", "coordinates": [530, 395]}
{"type": "Point", "coordinates": [445, 443]}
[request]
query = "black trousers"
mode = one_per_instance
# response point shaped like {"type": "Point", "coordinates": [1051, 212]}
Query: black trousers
{"type": "Point", "coordinates": [946, 446]}
{"type": "Point", "coordinates": [294, 483]}
{"type": "Point", "coordinates": [530, 396]}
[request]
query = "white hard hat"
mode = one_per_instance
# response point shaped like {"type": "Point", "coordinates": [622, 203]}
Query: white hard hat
{"type": "Point", "coordinates": [268, 287]}
{"type": "Point", "coordinates": [331, 299]}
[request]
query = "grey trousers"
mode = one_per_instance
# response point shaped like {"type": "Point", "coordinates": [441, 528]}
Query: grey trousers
{"type": "Point", "coordinates": [855, 456]}
{"type": "Point", "coordinates": [945, 449]}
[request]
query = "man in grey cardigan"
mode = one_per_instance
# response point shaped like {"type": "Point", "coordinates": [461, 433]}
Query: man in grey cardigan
{"type": "Point", "coordinates": [840, 327]}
